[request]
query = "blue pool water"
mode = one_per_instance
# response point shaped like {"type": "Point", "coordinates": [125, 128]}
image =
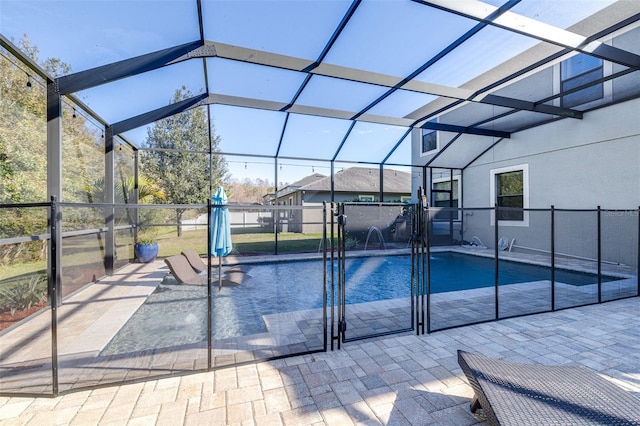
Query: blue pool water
{"type": "Point", "coordinates": [176, 315]}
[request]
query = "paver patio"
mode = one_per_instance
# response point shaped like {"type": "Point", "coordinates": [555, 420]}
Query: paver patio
{"type": "Point", "coordinates": [402, 379]}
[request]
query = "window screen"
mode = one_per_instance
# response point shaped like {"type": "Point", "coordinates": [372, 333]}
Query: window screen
{"type": "Point", "coordinates": [577, 71]}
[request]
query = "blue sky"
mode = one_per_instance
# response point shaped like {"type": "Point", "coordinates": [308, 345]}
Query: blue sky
{"type": "Point", "coordinates": [391, 37]}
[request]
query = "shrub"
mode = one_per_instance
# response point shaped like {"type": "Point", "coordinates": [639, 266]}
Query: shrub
{"type": "Point", "coordinates": [350, 242]}
{"type": "Point", "coordinates": [27, 293]}
{"type": "Point", "coordinates": [147, 236]}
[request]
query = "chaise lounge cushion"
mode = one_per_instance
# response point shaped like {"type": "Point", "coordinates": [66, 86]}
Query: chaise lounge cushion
{"type": "Point", "coordinates": [511, 393]}
{"type": "Point", "coordinates": [195, 260]}
{"type": "Point", "coordinates": [200, 266]}
{"type": "Point", "coordinates": [183, 272]}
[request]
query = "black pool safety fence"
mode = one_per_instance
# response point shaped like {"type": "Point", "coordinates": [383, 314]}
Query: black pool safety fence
{"type": "Point", "coordinates": [80, 310]}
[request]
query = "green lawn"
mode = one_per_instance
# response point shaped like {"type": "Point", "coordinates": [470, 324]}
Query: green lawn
{"type": "Point", "coordinates": [19, 269]}
{"type": "Point", "coordinates": [243, 242]}
{"type": "Point", "coordinates": [249, 241]}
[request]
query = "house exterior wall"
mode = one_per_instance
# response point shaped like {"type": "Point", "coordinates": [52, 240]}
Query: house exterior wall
{"type": "Point", "coordinates": [572, 164]}
{"type": "Point", "coordinates": [312, 219]}
{"type": "Point", "coordinates": [579, 164]}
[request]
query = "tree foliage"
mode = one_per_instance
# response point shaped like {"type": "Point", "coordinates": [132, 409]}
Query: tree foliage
{"type": "Point", "coordinates": [181, 177]}
{"type": "Point", "coordinates": [23, 162]}
{"type": "Point", "coordinates": [23, 159]}
{"type": "Point", "coordinates": [249, 191]}
{"type": "Point", "coordinates": [181, 167]}
{"type": "Point", "coordinates": [23, 152]}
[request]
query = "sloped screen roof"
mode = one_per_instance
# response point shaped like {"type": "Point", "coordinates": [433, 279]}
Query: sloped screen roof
{"type": "Point", "coordinates": [327, 80]}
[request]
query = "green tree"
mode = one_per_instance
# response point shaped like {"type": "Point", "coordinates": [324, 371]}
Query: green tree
{"type": "Point", "coordinates": [23, 159]}
{"type": "Point", "coordinates": [124, 190]}
{"type": "Point", "coordinates": [23, 152]}
{"type": "Point", "coordinates": [181, 167]}
{"type": "Point", "coordinates": [249, 191]}
{"type": "Point", "coordinates": [22, 130]}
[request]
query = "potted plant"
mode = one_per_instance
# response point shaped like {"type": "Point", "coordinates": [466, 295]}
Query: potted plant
{"type": "Point", "coordinates": [146, 248]}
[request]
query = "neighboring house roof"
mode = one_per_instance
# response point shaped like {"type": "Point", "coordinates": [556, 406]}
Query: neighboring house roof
{"type": "Point", "coordinates": [293, 187]}
{"type": "Point", "coordinates": [362, 179]}
{"type": "Point", "coordinates": [354, 180]}
{"type": "Point", "coordinates": [308, 180]}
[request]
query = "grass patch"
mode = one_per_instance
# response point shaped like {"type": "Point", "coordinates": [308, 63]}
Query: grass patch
{"type": "Point", "coordinates": [86, 250]}
{"type": "Point", "coordinates": [243, 243]}
{"type": "Point", "coordinates": [18, 270]}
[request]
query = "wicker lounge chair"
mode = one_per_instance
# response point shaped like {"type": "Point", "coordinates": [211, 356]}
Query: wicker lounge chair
{"type": "Point", "coordinates": [512, 393]}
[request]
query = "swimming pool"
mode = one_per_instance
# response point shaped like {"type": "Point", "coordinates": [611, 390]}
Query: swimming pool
{"type": "Point", "coordinates": [176, 315]}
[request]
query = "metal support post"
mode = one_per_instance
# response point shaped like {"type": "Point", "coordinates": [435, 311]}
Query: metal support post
{"type": "Point", "coordinates": [553, 258]}
{"type": "Point", "coordinates": [276, 212]}
{"type": "Point", "coordinates": [599, 213]}
{"type": "Point", "coordinates": [54, 173]}
{"type": "Point", "coordinates": [209, 295]}
{"type": "Point", "coordinates": [381, 183]}
{"type": "Point", "coordinates": [109, 199]}
{"type": "Point", "coordinates": [426, 258]}
{"type": "Point", "coordinates": [333, 275]}
{"type": "Point", "coordinates": [53, 287]}
{"type": "Point", "coordinates": [324, 273]}
{"type": "Point", "coordinates": [496, 270]}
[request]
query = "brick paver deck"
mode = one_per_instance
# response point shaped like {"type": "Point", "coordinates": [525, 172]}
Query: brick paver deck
{"type": "Point", "coordinates": [395, 380]}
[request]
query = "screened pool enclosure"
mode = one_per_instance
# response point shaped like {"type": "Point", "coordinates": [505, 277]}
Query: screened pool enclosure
{"type": "Point", "coordinates": [384, 163]}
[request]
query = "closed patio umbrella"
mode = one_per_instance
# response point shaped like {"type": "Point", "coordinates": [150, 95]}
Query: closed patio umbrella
{"type": "Point", "coordinates": [220, 230]}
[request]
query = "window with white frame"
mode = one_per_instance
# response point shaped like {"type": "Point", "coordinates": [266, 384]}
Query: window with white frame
{"type": "Point", "coordinates": [509, 189]}
{"type": "Point", "coordinates": [366, 198]}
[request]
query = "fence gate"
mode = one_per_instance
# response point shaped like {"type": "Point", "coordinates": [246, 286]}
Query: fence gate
{"type": "Point", "coordinates": [379, 279]}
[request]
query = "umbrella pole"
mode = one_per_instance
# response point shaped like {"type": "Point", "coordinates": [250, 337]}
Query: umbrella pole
{"type": "Point", "coordinates": [219, 273]}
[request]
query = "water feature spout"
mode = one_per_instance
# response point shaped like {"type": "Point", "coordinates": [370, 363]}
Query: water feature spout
{"type": "Point", "coordinates": [476, 242]}
{"type": "Point", "coordinates": [377, 231]}
{"type": "Point", "coordinates": [324, 244]}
